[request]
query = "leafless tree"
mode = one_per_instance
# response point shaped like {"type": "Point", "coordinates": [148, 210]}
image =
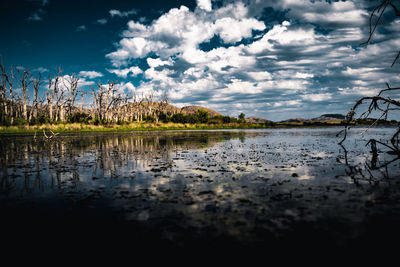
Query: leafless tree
{"type": "Point", "coordinates": [36, 82]}
{"type": "Point", "coordinates": [103, 99]}
{"type": "Point", "coordinates": [57, 100]}
{"type": "Point", "coordinates": [380, 103]}
{"type": "Point", "coordinates": [10, 80]}
{"type": "Point", "coordinates": [3, 89]}
{"type": "Point", "coordinates": [71, 88]}
{"type": "Point", "coordinates": [24, 81]}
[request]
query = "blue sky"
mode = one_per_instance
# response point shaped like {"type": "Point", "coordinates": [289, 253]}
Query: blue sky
{"type": "Point", "coordinates": [270, 59]}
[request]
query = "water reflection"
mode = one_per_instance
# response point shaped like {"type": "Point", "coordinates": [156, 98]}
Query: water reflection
{"type": "Point", "coordinates": [372, 168]}
{"type": "Point", "coordinates": [249, 185]}
{"type": "Point", "coordinates": [67, 160]}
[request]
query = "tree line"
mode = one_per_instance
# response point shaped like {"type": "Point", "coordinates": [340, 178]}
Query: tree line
{"type": "Point", "coordinates": [31, 98]}
{"type": "Point", "coordinates": [26, 98]}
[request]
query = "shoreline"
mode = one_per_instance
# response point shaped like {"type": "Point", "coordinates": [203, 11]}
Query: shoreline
{"type": "Point", "coordinates": [135, 127]}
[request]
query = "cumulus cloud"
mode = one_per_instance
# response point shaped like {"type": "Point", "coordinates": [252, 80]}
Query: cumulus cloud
{"type": "Point", "coordinates": [311, 55]}
{"type": "Point", "coordinates": [65, 82]}
{"type": "Point", "coordinates": [204, 4]}
{"type": "Point", "coordinates": [180, 31]}
{"type": "Point", "coordinates": [90, 74]}
{"type": "Point", "coordinates": [133, 71]}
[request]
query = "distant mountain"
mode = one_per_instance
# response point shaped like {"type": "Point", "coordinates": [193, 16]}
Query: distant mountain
{"type": "Point", "coordinates": [255, 120]}
{"type": "Point", "coordinates": [294, 120]}
{"type": "Point", "coordinates": [193, 109]}
{"type": "Point", "coordinates": [329, 117]}
{"type": "Point", "coordinates": [324, 117]}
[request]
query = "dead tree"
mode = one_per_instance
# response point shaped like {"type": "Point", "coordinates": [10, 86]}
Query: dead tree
{"type": "Point", "coordinates": [71, 87]}
{"type": "Point", "coordinates": [82, 98]}
{"type": "Point", "coordinates": [24, 81]}
{"type": "Point", "coordinates": [3, 89]}
{"type": "Point", "coordinates": [52, 95]}
{"type": "Point", "coordinates": [50, 98]}
{"type": "Point", "coordinates": [59, 102]}
{"type": "Point", "coordinates": [36, 82]}
{"type": "Point", "coordinates": [103, 100]}
{"type": "Point", "coordinates": [164, 102]}
{"type": "Point", "coordinates": [10, 80]}
{"type": "Point", "coordinates": [380, 102]}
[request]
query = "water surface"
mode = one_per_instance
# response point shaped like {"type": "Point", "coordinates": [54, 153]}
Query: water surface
{"type": "Point", "coordinates": [275, 187]}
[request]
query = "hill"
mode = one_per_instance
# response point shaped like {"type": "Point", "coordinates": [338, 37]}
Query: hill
{"type": "Point", "coordinates": [324, 117]}
{"type": "Point", "coordinates": [193, 109]}
{"type": "Point", "coordinates": [255, 120]}
{"type": "Point", "coordinates": [329, 117]}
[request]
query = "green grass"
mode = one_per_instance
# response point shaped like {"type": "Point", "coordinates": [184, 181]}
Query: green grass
{"type": "Point", "coordinates": [143, 126]}
{"type": "Point", "coordinates": [135, 126]}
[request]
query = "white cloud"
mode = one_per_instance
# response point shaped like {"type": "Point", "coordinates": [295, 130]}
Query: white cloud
{"type": "Point", "coordinates": [204, 4]}
{"type": "Point", "coordinates": [65, 82]}
{"type": "Point", "coordinates": [90, 74]}
{"type": "Point", "coordinates": [41, 69]}
{"type": "Point", "coordinates": [118, 13]}
{"type": "Point", "coordinates": [328, 14]}
{"type": "Point", "coordinates": [260, 75]}
{"type": "Point", "coordinates": [301, 75]}
{"type": "Point", "coordinates": [35, 17]}
{"type": "Point", "coordinates": [101, 21]}
{"type": "Point", "coordinates": [231, 30]}
{"type": "Point", "coordinates": [39, 13]}
{"type": "Point", "coordinates": [242, 87]}
{"type": "Point", "coordinates": [81, 28]}
{"type": "Point", "coordinates": [180, 31]}
{"type": "Point", "coordinates": [134, 71]}
{"type": "Point", "coordinates": [317, 97]}
{"type": "Point", "coordinates": [276, 67]}
{"type": "Point", "coordinates": [127, 87]}
{"type": "Point", "coordinates": [264, 44]}
{"type": "Point", "coordinates": [358, 90]}
{"type": "Point", "coordinates": [156, 62]}
{"type": "Point", "coordinates": [287, 103]}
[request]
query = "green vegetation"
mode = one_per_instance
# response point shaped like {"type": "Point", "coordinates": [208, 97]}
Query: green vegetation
{"type": "Point", "coordinates": [84, 123]}
{"type": "Point", "coordinates": [200, 119]}
{"type": "Point", "coordinates": [134, 126]}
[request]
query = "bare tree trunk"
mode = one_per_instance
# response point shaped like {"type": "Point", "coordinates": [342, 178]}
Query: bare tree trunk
{"type": "Point", "coordinates": [62, 113]}
{"type": "Point", "coordinates": [24, 84]}
{"type": "Point", "coordinates": [10, 84]}
{"type": "Point", "coordinates": [71, 85]}
{"type": "Point", "coordinates": [36, 82]}
{"type": "Point", "coordinates": [3, 92]}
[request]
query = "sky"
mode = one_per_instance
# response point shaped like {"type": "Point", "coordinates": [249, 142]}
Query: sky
{"type": "Point", "coordinates": [270, 59]}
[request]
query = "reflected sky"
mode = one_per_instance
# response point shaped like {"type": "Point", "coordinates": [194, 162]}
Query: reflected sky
{"type": "Point", "coordinates": [231, 181]}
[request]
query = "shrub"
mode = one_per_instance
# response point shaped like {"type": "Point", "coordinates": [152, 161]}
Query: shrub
{"type": "Point", "coordinates": [226, 119]}
{"type": "Point", "coordinates": [178, 118]}
{"type": "Point", "coordinates": [202, 116]}
{"type": "Point", "coordinates": [79, 118]}
{"type": "Point", "coordinates": [19, 121]}
{"type": "Point", "coordinates": [149, 118]}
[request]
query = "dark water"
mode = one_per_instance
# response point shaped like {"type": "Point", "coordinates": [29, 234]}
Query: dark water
{"type": "Point", "coordinates": [290, 189]}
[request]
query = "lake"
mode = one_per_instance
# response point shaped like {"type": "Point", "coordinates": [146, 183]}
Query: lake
{"type": "Point", "coordinates": [277, 188]}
